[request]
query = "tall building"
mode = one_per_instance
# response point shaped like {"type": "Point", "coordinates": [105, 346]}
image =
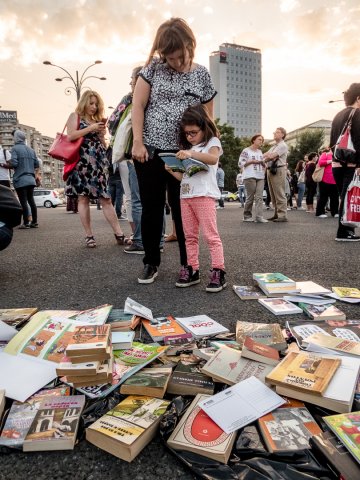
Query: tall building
{"type": "Point", "coordinates": [236, 73]}
{"type": "Point", "coordinates": [51, 169]}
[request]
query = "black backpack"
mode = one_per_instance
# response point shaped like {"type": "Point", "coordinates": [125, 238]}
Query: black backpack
{"type": "Point", "coordinates": [10, 208]}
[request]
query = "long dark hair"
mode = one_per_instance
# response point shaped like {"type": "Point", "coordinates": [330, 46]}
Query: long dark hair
{"type": "Point", "coordinates": [199, 116]}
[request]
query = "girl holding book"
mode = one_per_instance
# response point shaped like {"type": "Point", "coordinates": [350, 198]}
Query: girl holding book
{"type": "Point", "coordinates": [199, 139]}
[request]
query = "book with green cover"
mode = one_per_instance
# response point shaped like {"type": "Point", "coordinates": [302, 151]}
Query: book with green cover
{"type": "Point", "coordinates": [346, 427]}
{"type": "Point", "coordinates": [190, 166]}
{"type": "Point", "coordinates": [188, 379]}
{"type": "Point", "coordinates": [148, 381]}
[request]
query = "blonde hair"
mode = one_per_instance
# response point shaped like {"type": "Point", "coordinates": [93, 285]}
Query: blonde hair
{"type": "Point", "coordinates": [174, 34]}
{"type": "Point", "coordinates": [83, 102]}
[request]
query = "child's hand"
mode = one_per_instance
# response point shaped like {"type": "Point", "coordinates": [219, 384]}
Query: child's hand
{"type": "Point", "coordinates": [182, 154]}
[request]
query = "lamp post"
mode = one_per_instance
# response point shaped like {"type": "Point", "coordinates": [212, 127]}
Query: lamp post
{"type": "Point", "coordinates": [77, 82]}
{"type": "Point", "coordinates": [334, 101]}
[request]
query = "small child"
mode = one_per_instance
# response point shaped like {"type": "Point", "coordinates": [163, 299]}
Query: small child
{"type": "Point", "coordinates": [198, 194]}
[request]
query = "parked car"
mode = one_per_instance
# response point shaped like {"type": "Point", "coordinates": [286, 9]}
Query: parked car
{"type": "Point", "coordinates": [229, 196]}
{"type": "Point", "coordinates": [46, 198]}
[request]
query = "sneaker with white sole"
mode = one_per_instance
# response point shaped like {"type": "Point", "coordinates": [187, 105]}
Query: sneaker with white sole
{"type": "Point", "coordinates": [248, 220]}
{"type": "Point", "coordinates": [349, 237]}
{"type": "Point", "coordinates": [188, 277]}
{"type": "Point", "coordinates": [149, 274]}
{"type": "Point", "coordinates": [135, 249]}
{"type": "Point", "coordinates": [217, 280]}
{"type": "Point", "coordinates": [322, 216]}
{"type": "Point", "coordinates": [261, 220]}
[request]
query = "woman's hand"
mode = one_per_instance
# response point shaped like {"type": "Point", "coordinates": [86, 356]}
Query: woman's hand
{"type": "Point", "coordinates": [139, 152]}
{"type": "Point", "coordinates": [182, 154]}
{"type": "Point", "coordinates": [98, 127]}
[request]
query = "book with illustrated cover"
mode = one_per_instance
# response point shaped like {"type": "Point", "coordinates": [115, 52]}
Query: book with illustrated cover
{"type": "Point", "coordinates": [229, 367]}
{"type": "Point", "coordinates": [260, 352]}
{"type": "Point", "coordinates": [279, 306]}
{"type": "Point", "coordinates": [311, 288]}
{"type": "Point", "coordinates": [346, 427]}
{"type": "Point", "coordinates": [201, 326]}
{"type": "Point", "coordinates": [305, 372]}
{"type": "Point", "coordinates": [322, 312]}
{"type": "Point", "coordinates": [188, 379]}
{"type": "Point", "coordinates": [162, 327]}
{"type": "Point", "coordinates": [88, 340]}
{"type": "Point", "coordinates": [348, 292]}
{"type": "Point", "coordinates": [55, 424]}
{"type": "Point", "coordinates": [225, 343]}
{"type": "Point", "coordinates": [119, 320]}
{"type": "Point", "coordinates": [274, 283]}
{"type": "Point", "coordinates": [179, 343]}
{"type": "Point", "coordinates": [205, 353]}
{"type": "Point", "coordinates": [266, 333]}
{"type": "Point", "coordinates": [126, 429]}
{"type": "Point", "coordinates": [15, 317]}
{"type": "Point", "coordinates": [151, 382]}
{"type": "Point", "coordinates": [197, 433]}
{"type": "Point", "coordinates": [22, 414]}
{"type": "Point", "coordinates": [338, 345]}
{"type": "Point", "coordinates": [190, 166]}
{"type": "Point", "coordinates": [288, 428]}
{"type": "Point", "coordinates": [246, 292]}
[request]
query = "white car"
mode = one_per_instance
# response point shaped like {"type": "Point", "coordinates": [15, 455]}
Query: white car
{"type": "Point", "coordinates": [45, 197]}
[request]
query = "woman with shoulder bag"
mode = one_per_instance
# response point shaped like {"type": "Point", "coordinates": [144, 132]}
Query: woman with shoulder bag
{"type": "Point", "coordinates": [327, 187]}
{"type": "Point", "coordinates": [344, 173]}
{"type": "Point", "coordinates": [300, 175]}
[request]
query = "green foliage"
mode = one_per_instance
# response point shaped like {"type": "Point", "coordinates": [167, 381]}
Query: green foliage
{"type": "Point", "coordinates": [307, 142]}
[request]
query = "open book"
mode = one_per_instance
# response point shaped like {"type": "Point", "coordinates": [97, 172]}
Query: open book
{"type": "Point", "coordinates": [190, 166]}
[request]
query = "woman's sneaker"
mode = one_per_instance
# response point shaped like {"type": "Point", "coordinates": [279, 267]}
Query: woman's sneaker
{"type": "Point", "coordinates": [188, 277]}
{"type": "Point", "coordinates": [217, 280]}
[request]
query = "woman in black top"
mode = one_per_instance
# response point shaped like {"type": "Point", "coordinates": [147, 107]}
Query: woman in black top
{"type": "Point", "coordinates": [344, 173]}
{"type": "Point", "coordinates": [309, 182]}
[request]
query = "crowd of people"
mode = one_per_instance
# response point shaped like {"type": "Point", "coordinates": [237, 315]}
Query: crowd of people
{"type": "Point", "coordinates": [170, 107]}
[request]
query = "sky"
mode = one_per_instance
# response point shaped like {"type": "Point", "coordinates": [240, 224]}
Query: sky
{"type": "Point", "coordinates": [310, 51]}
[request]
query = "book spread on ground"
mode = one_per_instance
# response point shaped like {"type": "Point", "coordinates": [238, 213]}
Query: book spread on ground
{"type": "Point", "coordinates": [272, 283]}
{"type": "Point", "coordinates": [304, 371]}
{"type": "Point", "coordinates": [201, 326]}
{"type": "Point", "coordinates": [135, 308]}
{"type": "Point", "coordinates": [197, 433]}
{"type": "Point", "coordinates": [162, 328]}
{"type": "Point", "coordinates": [346, 428]}
{"type": "Point", "coordinates": [148, 381]}
{"type": "Point", "coordinates": [122, 340]}
{"type": "Point", "coordinates": [338, 345]}
{"type": "Point", "coordinates": [266, 333]}
{"type": "Point", "coordinates": [119, 320]}
{"type": "Point", "coordinates": [188, 165]}
{"type": "Point", "coordinates": [343, 299]}
{"type": "Point", "coordinates": [179, 343]}
{"type": "Point", "coordinates": [66, 367]}
{"type": "Point", "coordinates": [279, 306]}
{"type": "Point", "coordinates": [7, 332]}
{"type": "Point", "coordinates": [260, 352]}
{"type": "Point", "coordinates": [241, 404]}
{"type": "Point", "coordinates": [246, 292]}
{"type": "Point", "coordinates": [126, 429]}
{"type": "Point", "coordinates": [88, 340]}
{"type": "Point", "coordinates": [288, 428]}
{"type": "Point", "coordinates": [188, 379]}
{"type": "Point", "coordinates": [312, 299]}
{"type": "Point", "coordinates": [16, 316]}
{"type": "Point", "coordinates": [322, 312]}
{"type": "Point", "coordinates": [229, 367]}
{"type": "Point", "coordinates": [55, 424]}
{"type": "Point", "coordinates": [348, 292]}
{"type": "Point", "coordinates": [311, 288]}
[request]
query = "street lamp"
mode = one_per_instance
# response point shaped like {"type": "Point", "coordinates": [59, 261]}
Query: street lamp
{"type": "Point", "coordinates": [334, 101]}
{"type": "Point", "coordinates": [77, 82]}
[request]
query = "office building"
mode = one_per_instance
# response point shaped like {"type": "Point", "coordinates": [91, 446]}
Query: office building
{"type": "Point", "coordinates": [236, 73]}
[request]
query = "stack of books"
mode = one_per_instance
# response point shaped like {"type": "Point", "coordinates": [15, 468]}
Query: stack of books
{"type": "Point", "coordinates": [275, 284]}
{"type": "Point", "coordinates": [120, 321]}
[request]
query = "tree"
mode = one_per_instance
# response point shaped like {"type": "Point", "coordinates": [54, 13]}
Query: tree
{"type": "Point", "coordinates": [307, 142]}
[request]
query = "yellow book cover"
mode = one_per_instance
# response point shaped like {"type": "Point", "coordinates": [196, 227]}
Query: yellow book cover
{"type": "Point", "coordinates": [348, 292]}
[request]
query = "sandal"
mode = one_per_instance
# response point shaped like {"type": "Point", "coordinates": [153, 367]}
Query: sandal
{"type": "Point", "coordinates": [90, 242]}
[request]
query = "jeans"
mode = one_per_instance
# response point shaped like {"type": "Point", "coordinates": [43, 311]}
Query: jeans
{"type": "Point", "coordinates": [327, 190]}
{"type": "Point", "coordinates": [221, 200]}
{"type": "Point", "coordinates": [26, 196]}
{"type": "Point", "coordinates": [301, 191]}
{"type": "Point", "coordinates": [6, 234]}
{"type": "Point", "coordinates": [116, 192]}
{"type": "Point", "coordinates": [254, 194]}
{"type": "Point", "coordinates": [136, 208]}
{"type": "Point", "coordinates": [242, 195]}
{"type": "Point", "coordinates": [343, 177]}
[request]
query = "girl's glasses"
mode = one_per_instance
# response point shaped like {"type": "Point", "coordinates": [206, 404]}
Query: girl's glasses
{"type": "Point", "coordinates": [192, 133]}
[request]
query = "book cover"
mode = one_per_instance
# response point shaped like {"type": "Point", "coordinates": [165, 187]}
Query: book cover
{"type": "Point", "coordinates": [346, 427]}
{"type": "Point", "coordinates": [179, 343]}
{"type": "Point", "coordinates": [288, 428]}
{"type": "Point", "coordinates": [148, 381]}
{"type": "Point", "coordinates": [118, 319]}
{"type": "Point", "coordinates": [88, 339]}
{"type": "Point", "coordinates": [66, 367]}
{"type": "Point", "coordinates": [229, 367]}
{"type": "Point", "coordinates": [188, 379]}
{"type": "Point", "coordinates": [311, 288]}
{"type": "Point", "coordinates": [341, 345]}
{"type": "Point", "coordinates": [225, 343]}
{"type": "Point", "coordinates": [322, 312]}
{"type": "Point", "coordinates": [279, 306]}
{"type": "Point", "coordinates": [266, 333]}
{"type": "Point", "coordinates": [135, 308]}
{"type": "Point", "coordinates": [201, 326]}
{"type": "Point", "coordinates": [121, 340]}
{"type": "Point", "coordinates": [92, 316]}
{"type": "Point", "coordinates": [22, 414]}
{"type": "Point", "coordinates": [197, 433]}
{"type": "Point", "coordinates": [164, 327]}
{"type": "Point", "coordinates": [15, 317]}
{"type": "Point", "coordinates": [348, 292]}
{"type": "Point", "coordinates": [274, 282]}
{"type": "Point", "coordinates": [55, 424]}
{"type": "Point", "coordinates": [205, 353]}
{"type": "Point", "coordinates": [305, 372]}
{"type": "Point", "coordinates": [188, 165]}
{"type": "Point", "coordinates": [248, 292]}
{"type": "Point", "coordinates": [260, 352]}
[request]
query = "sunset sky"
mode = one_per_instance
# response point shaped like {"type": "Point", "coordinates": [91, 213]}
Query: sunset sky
{"type": "Point", "coordinates": [310, 51]}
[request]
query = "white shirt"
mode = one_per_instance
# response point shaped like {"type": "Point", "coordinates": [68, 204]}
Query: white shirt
{"type": "Point", "coordinates": [4, 172]}
{"type": "Point", "coordinates": [254, 170]}
{"type": "Point", "coordinates": [202, 184]}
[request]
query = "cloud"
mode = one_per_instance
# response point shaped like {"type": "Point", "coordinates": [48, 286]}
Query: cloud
{"type": "Point", "coordinates": [287, 6]}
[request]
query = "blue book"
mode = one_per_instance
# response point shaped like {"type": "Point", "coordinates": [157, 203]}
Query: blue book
{"type": "Point", "coordinates": [189, 165]}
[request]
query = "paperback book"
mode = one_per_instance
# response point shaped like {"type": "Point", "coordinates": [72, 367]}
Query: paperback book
{"type": "Point", "coordinates": [163, 327]}
{"type": "Point", "coordinates": [179, 343]}
{"type": "Point", "coordinates": [266, 333]}
{"type": "Point", "coordinates": [274, 283]}
{"type": "Point", "coordinates": [151, 382]}
{"type": "Point", "coordinates": [279, 306]}
{"type": "Point", "coordinates": [246, 292]}
{"type": "Point", "coordinates": [188, 379]}
{"type": "Point", "coordinates": [88, 340]}
{"type": "Point", "coordinates": [197, 433]}
{"type": "Point", "coordinates": [15, 317]}
{"type": "Point", "coordinates": [135, 308]}
{"type": "Point", "coordinates": [311, 288]}
{"type": "Point", "coordinates": [260, 352]}
{"type": "Point", "coordinates": [201, 326]}
{"type": "Point", "coordinates": [322, 312]}
{"type": "Point", "coordinates": [337, 345]}
{"type": "Point", "coordinates": [190, 166]}
{"type": "Point", "coordinates": [346, 427]}
{"type": "Point", "coordinates": [66, 367]}
{"type": "Point", "coordinates": [122, 340]}
{"type": "Point", "coordinates": [119, 320]}
{"type": "Point", "coordinates": [348, 292]}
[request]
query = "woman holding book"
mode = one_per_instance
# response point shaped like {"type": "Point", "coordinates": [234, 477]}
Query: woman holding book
{"type": "Point", "coordinates": [168, 84]}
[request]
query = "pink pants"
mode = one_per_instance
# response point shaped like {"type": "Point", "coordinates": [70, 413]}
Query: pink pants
{"type": "Point", "coordinates": [196, 213]}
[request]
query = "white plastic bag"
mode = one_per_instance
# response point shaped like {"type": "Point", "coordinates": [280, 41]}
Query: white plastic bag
{"type": "Point", "coordinates": [351, 215]}
{"type": "Point", "coordinates": [122, 139]}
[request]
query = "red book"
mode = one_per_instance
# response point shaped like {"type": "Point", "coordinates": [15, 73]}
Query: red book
{"type": "Point", "coordinates": [260, 352]}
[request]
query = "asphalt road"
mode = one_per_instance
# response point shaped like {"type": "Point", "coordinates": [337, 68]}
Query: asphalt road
{"type": "Point", "coordinates": [51, 268]}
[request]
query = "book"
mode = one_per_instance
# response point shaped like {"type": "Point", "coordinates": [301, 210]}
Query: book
{"type": "Point", "coordinates": [274, 282]}
{"type": "Point", "coordinates": [66, 367]}
{"type": "Point", "coordinates": [279, 306]}
{"type": "Point", "coordinates": [333, 454]}
{"type": "Point", "coordinates": [229, 367]}
{"type": "Point", "coordinates": [135, 308]}
{"type": "Point", "coordinates": [162, 327]}
{"type": "Point", "coordinates": [151, 382]}
{"type": "Point", "coordinates": [260, 352]}
{"type": "Point", "coordinates": [312, 299]}
{"type": "Point", "coordinates": [15, 317]}
{"type": "Point", "coordinates": [266, 333]}
{"type": "Point", "coordinates": [205, 353]}
{"type": "Point", "coordinates": [322, 312]}
{"type": "Point", "coordinates": [102, 375]}
{"type": "Point", "coordinates": [338, 395]}
{"type": "Point", "coordinates": [241, 404]}
{"type": "Point", "coordinates": [311, 288]}
{"type": "Point", "coordinates": [197, 433]}
{"type": "Point", "coordinates": [340, 345]}
{"type": "Point", "coordinates": [343, 299]}
{"type": "Point", "coordinates": [98, 357]}
{"type": "Point", "coordinates": [188, 379]}
{"type": "Point", "coordinates": [225, 343]}
{"type": "Point", "coordinates": [201, 326]}
{"type": "Point", "coordinates": [2, 402]}
{"type": "Point", "coordinates": [22, 414]}
{"type": "Point", "coordinates": [348, 292]}
{"type": "Point", "coordinates": [179, 343]}
{"type": "Point", "coordinates": [55, 424]}
{"type": "Point", "coordinates": [304, 371]}
{"type": "Point", "coordinates": [126, 429]}
{"type": "Point", "coordinates": [119, 320]}
{"type": "Point", "coordinates": [248, 292]}
{"type": "Point", "coordinates": [288, 428]}
{"type": "Point", "coordinates": [122, 340]}
{"type": "Point", "coordinates": [7, 332]}
{"type": "Point", "coordinates": [88, 340]}
{"type": "Point", "coordinates": [190, 166]}
{"type": "Point", "coordinates": [346, 427]}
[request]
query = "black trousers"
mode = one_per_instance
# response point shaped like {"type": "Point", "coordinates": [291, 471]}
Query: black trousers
{"type": "Point", "coordinates": [343, 177]}
{"type": "Point", "coordinates": [5, 183]}
{"type": "Point", "coordinates": [153, 181]}
{"type": "Point", "coordinates": [310, 192]}
{"type": "Point", "coordinates": [26, 196]}
{"type": "Point", "coordinates": [327, 190]}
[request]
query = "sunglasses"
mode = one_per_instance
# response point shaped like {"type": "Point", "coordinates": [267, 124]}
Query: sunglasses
{"type": "Point", "coordinates": [192, 133]}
